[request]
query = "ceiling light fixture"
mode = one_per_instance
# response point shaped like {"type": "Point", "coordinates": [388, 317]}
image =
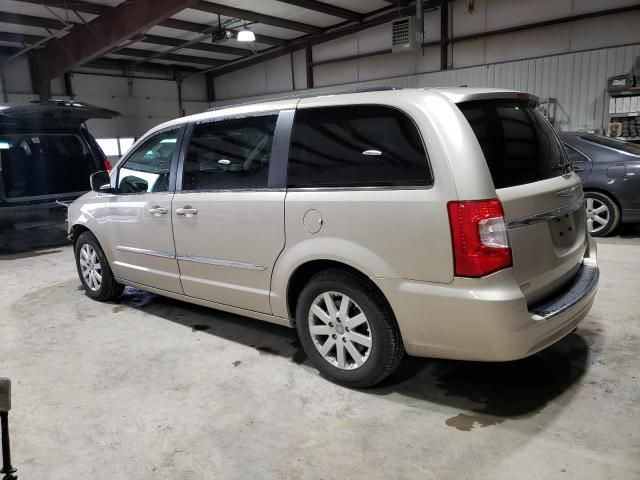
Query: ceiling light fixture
{"type": "Point", "coordinates": [246, 35]}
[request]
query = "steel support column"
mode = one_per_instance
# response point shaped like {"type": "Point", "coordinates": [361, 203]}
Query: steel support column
{"type": "Point", "coordinates": [309, 62]}
{"type": "Point", "coordinates": [444, 35]}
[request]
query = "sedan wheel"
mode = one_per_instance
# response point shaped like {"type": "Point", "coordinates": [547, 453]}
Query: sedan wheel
{"type": "Point", "coordinates": [603, 214]}
{"type": "Point", "coordinates": [598, 215]}
{"type": "Point", "coordinates": [340, 330]}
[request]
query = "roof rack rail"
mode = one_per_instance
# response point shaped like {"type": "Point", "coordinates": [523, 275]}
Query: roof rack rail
{"type": "Point", "coordinates": [317, 93]}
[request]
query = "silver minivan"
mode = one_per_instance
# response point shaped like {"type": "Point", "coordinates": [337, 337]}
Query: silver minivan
{"type": "Point", "coordinates": [437, 222]}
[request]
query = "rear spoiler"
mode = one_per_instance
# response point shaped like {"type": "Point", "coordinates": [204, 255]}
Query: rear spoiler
{"type": "Point", "coordinates": [460, 95]}
{"type": "Point", "coordinates": [53, 111]}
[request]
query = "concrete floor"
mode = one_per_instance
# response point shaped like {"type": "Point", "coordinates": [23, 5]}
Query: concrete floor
{"type": "Point", "coordinates": [150, 388]}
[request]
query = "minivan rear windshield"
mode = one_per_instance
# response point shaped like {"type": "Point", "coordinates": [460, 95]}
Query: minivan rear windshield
{"type": "Point", "coordinates": [518, 144]}
{"type": "Point", "coordinates": [35, 164]}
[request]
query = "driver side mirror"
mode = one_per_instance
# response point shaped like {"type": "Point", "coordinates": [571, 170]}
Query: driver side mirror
{"type": "Point", "coordinates": [101, 182]}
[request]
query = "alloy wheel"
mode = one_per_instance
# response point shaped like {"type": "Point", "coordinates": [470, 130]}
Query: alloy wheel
{"type": "Point", "coordinates": [340, 330]}
{"type": "Point", "coordinates": [598, 215]}
{"type": "Point", "coordinates": [90, 267]}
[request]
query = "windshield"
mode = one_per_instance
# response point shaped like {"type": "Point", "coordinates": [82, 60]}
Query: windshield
{"type": "Point", "coordinates": [518, 144]}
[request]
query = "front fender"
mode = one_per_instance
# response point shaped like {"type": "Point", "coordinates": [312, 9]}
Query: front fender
{"type": "Point", "coordinates": [90, 212]}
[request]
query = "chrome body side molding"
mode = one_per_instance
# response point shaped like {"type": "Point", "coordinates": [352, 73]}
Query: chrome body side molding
{"type": "Point", "coordinates": [220, 262]}
{"type": "Point", "coordinates": [144, 251]}
{"type": "Point", "coordinates": [193, 258]}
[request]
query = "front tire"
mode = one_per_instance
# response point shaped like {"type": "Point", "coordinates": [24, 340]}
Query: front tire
{"type": "Point", "coordinates": [347, 329]}
{"type": "Point", "coordinates": [603, 215]}
{"type": "Point", "coordinates": [94, 271]}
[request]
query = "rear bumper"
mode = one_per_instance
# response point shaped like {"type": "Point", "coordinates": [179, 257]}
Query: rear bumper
{"type": "Point", "coordinates": [487, 319]}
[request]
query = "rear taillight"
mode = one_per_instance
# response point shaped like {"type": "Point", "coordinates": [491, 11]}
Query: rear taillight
{"type": "Point", "coordinates": [107, 165]}
{"type": "Point", "coordinates": [479, 237]}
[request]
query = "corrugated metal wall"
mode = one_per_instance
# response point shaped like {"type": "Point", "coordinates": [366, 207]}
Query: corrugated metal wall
{"type": "Point", "coordinates": [576, 80]}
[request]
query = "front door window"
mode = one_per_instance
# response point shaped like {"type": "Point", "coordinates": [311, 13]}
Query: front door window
{"type": "Point", "coordinates": [147, 170]}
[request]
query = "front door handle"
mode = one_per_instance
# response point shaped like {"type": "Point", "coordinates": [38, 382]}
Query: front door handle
{"type": "Point", "coordinates": [188, 211]}
{"type": "Point", "coordinates": [157, 210]}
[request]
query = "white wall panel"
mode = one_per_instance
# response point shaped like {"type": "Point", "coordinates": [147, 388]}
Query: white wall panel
{"type": "Point", "coordinates": [374, 39]}
{"type": "Point", "coordinates": [604, 31]}
{"type": "Point", "coordinates": [428, 59]}
{"type": "Point", "coordinates": [97, 85]}
{"type": "Point", "coordinates": [611, 30]}
{"type": "Point", "coordinates": [194, 89]}
{"type": "Point", "coordinates": [278, 73]}
{"type": "Point", "coordinates": [577, 80]}
{"type": "Point", "coordinates": [534, 43]}
{"type": "Point", "coordinates": [431, 25]}
{"type": "Point", "coordinates": [15, 74]}
{"type": "Point", "coordinates": [335, 73]}
{"type": "Point", "coordinates": [465, 22]}
{"type": "Point", "coordinates": [509, 13]}
{"type": "Point", "coordinates": [300, 69]}
{"type": "Point", "coordinates": [464, 54]}
{"type": "Point", "coordinates": [248, 81]}
{"type": "Point", "coordinates": [340, 47]}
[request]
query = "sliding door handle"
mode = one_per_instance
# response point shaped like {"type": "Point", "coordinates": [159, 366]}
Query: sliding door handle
{"type": "Point", "coordinates": [157, 211]}
{"type": "Point", "coordinates": [187, 211]}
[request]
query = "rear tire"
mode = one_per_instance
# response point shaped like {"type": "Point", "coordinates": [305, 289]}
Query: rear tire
{"type": "Point", "coordinates": [94, 270]}
{"type": "Point", "coordinates": [347, 329]}
{"type": "Point", "coordinates": [603, 214]}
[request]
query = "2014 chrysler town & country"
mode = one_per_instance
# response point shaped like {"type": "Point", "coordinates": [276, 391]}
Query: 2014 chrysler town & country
{"type": "Point", "coordinates": [441, 222]}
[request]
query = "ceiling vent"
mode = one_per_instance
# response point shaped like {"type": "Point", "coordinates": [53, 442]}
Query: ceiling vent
{"type": "Point", "coordinates": [404, 35]}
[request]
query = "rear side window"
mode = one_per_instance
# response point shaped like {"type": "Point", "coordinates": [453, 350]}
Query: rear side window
{"type": "Point", "coordinates": [229, 154]}
{"type": "Point", "coordinates": [356, 146]}
{"type": "Point", "coordinates": [574, 155]}
{"type": "Point", "coordinates": [518, 144]}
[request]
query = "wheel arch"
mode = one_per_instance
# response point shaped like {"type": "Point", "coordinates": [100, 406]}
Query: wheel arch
{"type": "Point", "coordinates": [305, 271]}
{"type": "Point", "coordinates": [603, 191]}
{"type": "Point", "coordinates": [76, 230]}
{"type": "Point", "coordinates": [80, 227]}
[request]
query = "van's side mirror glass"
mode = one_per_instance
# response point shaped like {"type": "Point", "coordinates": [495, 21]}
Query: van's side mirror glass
{"type": "Point", "coordinates": [133, 184]}
{"type": "Point", "coordinates": [100, 182]}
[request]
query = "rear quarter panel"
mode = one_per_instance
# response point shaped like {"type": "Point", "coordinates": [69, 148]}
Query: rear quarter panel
{"type": "Point", "coordinates": [388, 233]}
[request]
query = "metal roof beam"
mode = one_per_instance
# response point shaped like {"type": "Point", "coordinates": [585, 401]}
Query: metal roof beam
{"type": "Point", "coordinates": [129, 52]}
{"type": "Point", "coordinates": [234, 12]}
{"type": "Point", "coordinates": [98, 9]}
{"type": "Point", "coordinates": [139, 53]}
{"type": "Point", "coordinates": [205, 47]}
{"type": "Point", "coordinates": [103, 34]}
{"type": "Point", "coordinates": [199, 28]}
{"type": "Point", "coordinates": [326, 8]}
{"type": "Point", "coordinates": [31, 21]}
